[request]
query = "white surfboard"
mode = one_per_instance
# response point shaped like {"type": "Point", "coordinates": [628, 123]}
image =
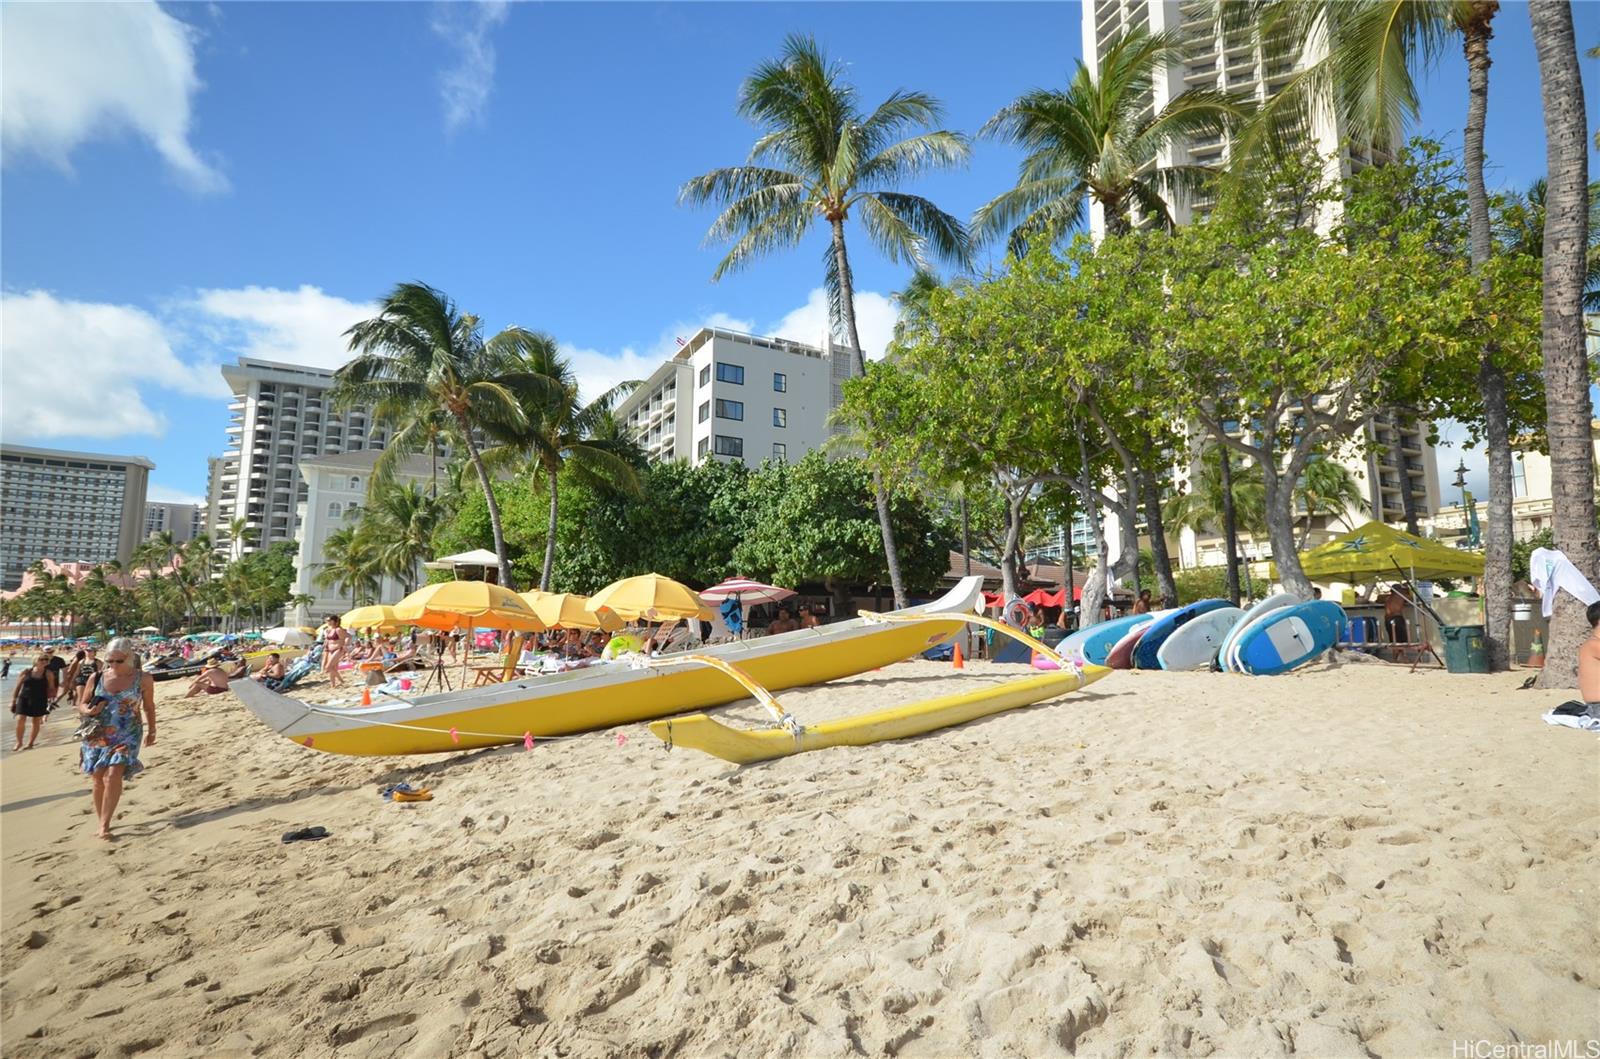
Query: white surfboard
{"type": "Point", "coordinates": [1196, 642]}
{"type": "Point", "coordinates": [1251, 616]}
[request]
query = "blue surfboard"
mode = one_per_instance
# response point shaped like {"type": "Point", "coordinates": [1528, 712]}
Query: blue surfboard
{"type": "Point", "coordinates": [1145, 656]}
{"type": "Point", "coordinates": [1289, 637]}
{"type": "Point", "coordinates": [1095, 643]}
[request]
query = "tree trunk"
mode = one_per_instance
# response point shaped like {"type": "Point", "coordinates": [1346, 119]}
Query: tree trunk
{"type": "Point", "coordinates": [550, 535]}
{"type": "Point", "coordinates": [1280, 531]}
{"type": "Point", "coordinates": [1566, 376]}
{"type": "Point", "coordinates": [1127, 564]}
{"type": "Point", "coordinates": [1497, 530]}
{"type": "Point", "coordinates": [847, 307]}
{"type": "Point", "coordinates": [1158, 542]}
{"type": "Point", "coordinates": [966, 537]}
{"type": "Point", "coordinates": [1230, 526]}
{"type": "Point", "coordinates": [1094, 587]}
{"type": "Point", "coordinates": [1008, 553]}
{"type": "Point", "coordinates": [493, 504]}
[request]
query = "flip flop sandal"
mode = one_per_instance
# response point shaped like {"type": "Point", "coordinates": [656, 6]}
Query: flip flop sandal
{"type": "Point", "coordinates": [423, 795]}
{"type": "Point", "coordinates": [306, 834]}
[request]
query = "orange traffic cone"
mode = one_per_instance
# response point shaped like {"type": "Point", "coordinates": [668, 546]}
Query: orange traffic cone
{"type": "Point", "coordinates": [955, 659]}
{"type": "Point", "coordinates": [366, 696]}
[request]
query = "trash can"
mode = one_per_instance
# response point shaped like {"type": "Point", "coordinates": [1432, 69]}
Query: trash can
{"type": "Point", "coordinates": [1464, 650]}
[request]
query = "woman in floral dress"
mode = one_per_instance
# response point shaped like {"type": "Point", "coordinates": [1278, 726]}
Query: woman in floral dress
{"type": "Point", "coordinates": [122, 703]}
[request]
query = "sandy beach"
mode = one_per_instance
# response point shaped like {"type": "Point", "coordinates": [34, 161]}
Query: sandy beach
{"type": "Point", "coordinates": [1348, 861]}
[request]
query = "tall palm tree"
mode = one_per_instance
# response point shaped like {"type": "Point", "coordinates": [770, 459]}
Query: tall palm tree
{"type": "Point", "coordinates": [403, 518]}
{"type": "Point", "coordinates": [1099, 140]}
{"type": "Point", "coordinates": [1326, 489]}
{"type": "Point", "coordinates": [1200, 507]}
{"type": "Point", "coordinates": [559, 431]}
{"type": "Point", "coordinates": [1568, 410]}
{"type": "Point", "coordinates": [421, 354]}
{"type": "Point", "coordinates": [820, 156]}
{"type": "Point", "coordinates": [351, 564]}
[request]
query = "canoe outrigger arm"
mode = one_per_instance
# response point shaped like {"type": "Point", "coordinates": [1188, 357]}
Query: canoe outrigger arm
{"type": "Point", "coordinates": [784, 718]}
{"type": "Point", "coordinates": [872, 618]}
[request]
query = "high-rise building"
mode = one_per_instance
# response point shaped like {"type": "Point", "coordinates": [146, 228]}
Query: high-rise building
{"type": "Point", "coordinates": [183, 521]}
{"type": "Point", "coordinates": [1397, 455]}
{"type": "Point", "coordinates": [281, 415]}
{"type": "Point", "coordinates": [81, 507]}
{"type": "Point", "coordinates": [732, 396]}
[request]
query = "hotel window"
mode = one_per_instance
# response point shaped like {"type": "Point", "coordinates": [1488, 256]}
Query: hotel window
{"type": "Point", "coordinates": [730, 446]}
{"type": "Point", "coordinates": [730, 373]}
{"type": "Point", "coordinates": [780, 417]}
{"type": "Point", "coordinates": [705, 375]}
{"type": "Point", "coordinates": [704, 413]}
{"type": "Point", "coordinates": [780, 451]}
{"type": "Point", "coordinates": [730, 409]}
{"type": "Point", "coordinates": [703, 447]}
{"type": "Point", "coordinates": [335, 509]}
{"type": "Point", "coordinates": [780, 382]}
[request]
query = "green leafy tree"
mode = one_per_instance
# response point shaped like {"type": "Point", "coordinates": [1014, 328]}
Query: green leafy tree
{"type": "Point", "coordinates": [421, 360]}
{"type": "Point", "coordinates": [1100, 141]}
{"type": "Point", "coordinates": [351, 563]}
{"type": "Point", "coordinates": [400, 518]}
{"type": "Point", "coordinates": [820, 156]}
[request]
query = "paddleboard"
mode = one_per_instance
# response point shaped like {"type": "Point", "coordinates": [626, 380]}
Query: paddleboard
{"type": "Point", "coordinates": [1195, 645]}
{"type": "Point", "coordinates": [1252, 613]}
{"type": "Point", "coordinates": [1145, 655]}
{"type": "Point", "coordinates": [1095, 643]}
{"type": "Point", "coordinates": [1121, 655]}
{"type": "Point", "coordinates": [1289, 637]}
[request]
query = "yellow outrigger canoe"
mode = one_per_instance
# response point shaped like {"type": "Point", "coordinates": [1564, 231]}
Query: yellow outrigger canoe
{"type": "Point", "coordinates": [607, 695]}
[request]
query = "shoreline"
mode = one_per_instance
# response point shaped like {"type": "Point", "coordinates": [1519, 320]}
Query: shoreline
{"type": "Point", "coordinates": [1347, 860]}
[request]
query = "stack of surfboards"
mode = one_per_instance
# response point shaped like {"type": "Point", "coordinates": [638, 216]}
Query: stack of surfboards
{"type": "Point", "coordinates": [1274, 636]}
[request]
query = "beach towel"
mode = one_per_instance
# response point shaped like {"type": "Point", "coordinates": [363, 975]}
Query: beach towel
{"type": "Point", "coordinates": [733, 614]}
{"type": "Point", "coordinates": [1549, 571]}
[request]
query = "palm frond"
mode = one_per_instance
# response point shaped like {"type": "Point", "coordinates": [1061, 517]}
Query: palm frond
{"type": "Point", "coordinates": [903, 226]}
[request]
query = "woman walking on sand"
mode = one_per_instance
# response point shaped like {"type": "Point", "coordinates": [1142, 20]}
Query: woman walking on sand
{"type": "Point", "coordinates": [35, 690]}
{"type": "Point", "coordinates": [122, 705]}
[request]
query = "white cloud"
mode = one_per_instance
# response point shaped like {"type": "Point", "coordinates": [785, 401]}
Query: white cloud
{"type": "Point", "coordinates": [302, 326]}
{"type": "Point", "coordinates": [52, 348]}
{"type": "Point", "coordinates": [875, 320]}
{"type": "Point", "coordinates": [73, 72]}
{"type": "Point", "coordinates": [160, 494]}
{"type": "Point", "coordinates": [465, 87]}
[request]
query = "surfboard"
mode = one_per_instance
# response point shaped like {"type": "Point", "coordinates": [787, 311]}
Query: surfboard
{"type": "Point", "coordinates": [1289, 637]}
{"type": "Point", "coordinates": [1121, 654]}
{"type": "Point", "coordinates": [1195, 645]}
{"type": "Point", "coordinates": [1257, 610]}
{"type": "Point", "coordinates": [1144, 656]}
{"type": "Point", "coordinates": [1095, 643]}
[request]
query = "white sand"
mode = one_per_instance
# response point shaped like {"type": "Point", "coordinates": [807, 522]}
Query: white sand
{"type": "Point", "coordinates": [1356, 861]}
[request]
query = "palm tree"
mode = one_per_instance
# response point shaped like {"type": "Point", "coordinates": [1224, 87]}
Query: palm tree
{"type": "Point", "coordinates": [402, 519]}
{"type": "Point", "coordinates": [419, 356]}
{"type": "Point", "coordinates": [1099, 141]}
{"type": "Point", "coordinates": [1202, 506]}
{"type": "Point", "coordinates": [1568, 411]}
{"type": "Point", "coordinates": [559, 431]}
{"type": "Point", "coordinates": [239, 535]}
{"type": "Point", "coordinates": [820, 156]}
{"type": "Point", "coordinates": [1326, 488]}
{"type": "Point", "coordinates": [351, 564]}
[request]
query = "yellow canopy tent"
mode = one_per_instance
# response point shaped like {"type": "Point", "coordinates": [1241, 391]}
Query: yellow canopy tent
{"type": "Point", "coordinates": [1375, 551]}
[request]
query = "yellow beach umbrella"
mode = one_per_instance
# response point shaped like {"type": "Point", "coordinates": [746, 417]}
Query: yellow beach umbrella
{"type": "Point", "coordinates": [648, 597]}
{"type": "Point", "coordinates": [373, 616]}
{"type": "Point", "coordinates": [570, 611]}
{"type": "Point", "coordinates": [466, 605]}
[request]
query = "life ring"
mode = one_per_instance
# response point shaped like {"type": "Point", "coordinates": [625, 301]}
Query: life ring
{"type": "Point", "coordinates": [622, 644]}
{"type": "Point", "coordinates": [1017, 613]}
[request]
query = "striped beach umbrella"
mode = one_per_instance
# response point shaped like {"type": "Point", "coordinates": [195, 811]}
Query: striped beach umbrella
{"type": "Point", "coordinates": [749, 592]}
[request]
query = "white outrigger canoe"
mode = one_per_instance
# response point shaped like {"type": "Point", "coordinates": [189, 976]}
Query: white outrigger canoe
{"type": "Point", "coordinates": [606, 695]}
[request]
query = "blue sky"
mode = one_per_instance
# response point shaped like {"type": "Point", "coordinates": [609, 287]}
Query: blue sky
{"type": "Point", "coordinates": [190, 182]}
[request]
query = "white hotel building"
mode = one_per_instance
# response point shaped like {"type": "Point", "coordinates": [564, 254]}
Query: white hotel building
{"type": "Point", "coordinates": [281, 416]}
{"type": "Point", "coordinates": [1397, 455]}
{"type": "Point", "coordinates": [732, 396]}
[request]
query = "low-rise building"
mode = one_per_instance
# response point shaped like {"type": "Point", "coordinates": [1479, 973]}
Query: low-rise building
{"type": "Point", "coordinates": [336, 492]}
{"type": "Point", "coordinates": [732, 396]}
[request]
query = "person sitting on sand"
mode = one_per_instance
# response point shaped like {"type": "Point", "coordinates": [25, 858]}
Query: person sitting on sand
{"type": "Point", "coordinates": [273, 672]}
{"type": "Point", "coordinates": [1142, 604]}
{"type": "Point", "coordinates": [808, 620]}
{"type": "Point", "coordinates": [1394, 613]}
{"type": "Point", "coordinates": [213, 679]}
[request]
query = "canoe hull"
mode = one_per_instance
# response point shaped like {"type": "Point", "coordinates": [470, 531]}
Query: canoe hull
{"type": "Point", "coordinates": [607, 695]}
{"type": "Point", "coordinates": [744, 747]}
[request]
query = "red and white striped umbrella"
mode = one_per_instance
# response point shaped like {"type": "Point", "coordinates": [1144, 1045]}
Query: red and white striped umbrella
{"type": "Point", "coordinates": [749, 592]}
